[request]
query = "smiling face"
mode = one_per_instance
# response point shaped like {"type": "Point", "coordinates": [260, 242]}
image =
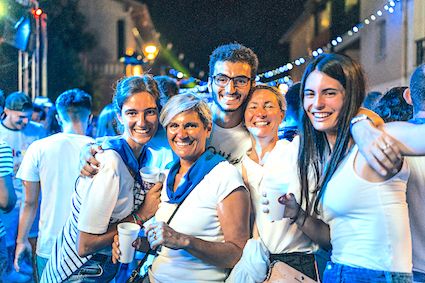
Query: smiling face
{"type": "Point", "coordinates": [323, 101]}
{"type": "Point", "coordinates": [263, 114]}
{"type": "Point", "coordinates": [139, 115]}
{"type": "Point", "coordinates": [17, 120]}
{"type": "Point", "coordinates": [187, 135]}
{"type": "Point", "coordinates": [230, 98]}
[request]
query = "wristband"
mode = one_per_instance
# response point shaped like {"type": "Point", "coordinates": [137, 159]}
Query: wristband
{"type": "Point", "coordinates": [134, 218]}
{"type": "Point", "coordinates": [357, 119]}
{"type": "Point", "coordinates": [138, 219]}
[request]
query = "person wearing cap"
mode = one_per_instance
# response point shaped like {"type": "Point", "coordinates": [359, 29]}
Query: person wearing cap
{"type": "Point", "coordinates": [19, 132]}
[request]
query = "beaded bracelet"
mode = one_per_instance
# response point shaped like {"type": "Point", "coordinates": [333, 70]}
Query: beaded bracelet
{"type": "Point", "coordinates": [134, 218]}
{"type": "Point", "coordinates": [137, 219]}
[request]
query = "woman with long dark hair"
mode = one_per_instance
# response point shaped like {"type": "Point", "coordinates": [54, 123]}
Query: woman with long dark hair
{"type": "Point", "coordinates": [366, 210]}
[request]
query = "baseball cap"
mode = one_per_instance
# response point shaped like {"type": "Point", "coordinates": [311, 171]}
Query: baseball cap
{"type": "Point", "coordinates": [18, 101]}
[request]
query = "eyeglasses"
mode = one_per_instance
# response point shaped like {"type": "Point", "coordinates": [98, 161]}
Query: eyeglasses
{"type": "Point", "coordinates": [223, 80]}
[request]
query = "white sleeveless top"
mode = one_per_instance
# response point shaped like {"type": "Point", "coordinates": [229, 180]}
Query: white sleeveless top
{"type": "Point", "coordinates": [369, 222]}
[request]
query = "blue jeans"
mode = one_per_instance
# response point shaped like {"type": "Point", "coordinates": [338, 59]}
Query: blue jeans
{"type": "Point", "coordinates": [99, 269]}
{"type": "Point", "coordinates": [335, 272]}
{"type": "Point", "coordinates": [3, 256]}
{"type": "Point", "coordinates": [418, 277]}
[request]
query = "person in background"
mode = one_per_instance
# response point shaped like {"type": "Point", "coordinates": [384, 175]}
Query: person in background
{"type": "Point", "coordinates": [107, 123]}
{"type": "Point", "coordinates": [371, 99]}
{"type": "Point", "coordinates": [209, 230]}
{"type": "Point", "coordinates": [415, 96]}
{"type": "Point", "coordinates": [167, 87]}
{"type": "Point", "coordinates": [38, 114]}
{"type": "Point", "coordinates": [290, 123]}
{"type": "Point", "coordinates": [116, 194]}
{"type": "Point", "coordinates": [392, 106]}
{"type": "Point", "coordinates": [7, 199]}
{"type": "Point", "coordinates": [19, 132]}
{"type": "Point", "coordinates": [50, 168]}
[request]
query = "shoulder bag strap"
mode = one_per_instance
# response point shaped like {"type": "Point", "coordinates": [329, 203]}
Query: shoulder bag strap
{"type": "Point", "coordinates": [136, 271]}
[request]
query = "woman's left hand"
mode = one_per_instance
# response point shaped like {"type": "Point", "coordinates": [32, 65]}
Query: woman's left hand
{"type": "Point", "coordinates": [160, 234]}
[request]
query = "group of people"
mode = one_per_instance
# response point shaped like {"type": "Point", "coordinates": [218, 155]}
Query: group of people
{"type": "Point", "coordinates": [345, 171]}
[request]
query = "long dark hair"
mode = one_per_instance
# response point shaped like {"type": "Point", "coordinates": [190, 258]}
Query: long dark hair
{"type": "Point", "coordinates": [315, 155]}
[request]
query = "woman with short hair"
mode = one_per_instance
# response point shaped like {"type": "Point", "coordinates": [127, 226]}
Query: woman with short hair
{"type": "Point", "coordinates": [206, 236]}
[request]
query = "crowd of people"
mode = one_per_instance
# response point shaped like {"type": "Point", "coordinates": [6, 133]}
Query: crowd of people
{"type": "Point", "coordinates": [354, 179]}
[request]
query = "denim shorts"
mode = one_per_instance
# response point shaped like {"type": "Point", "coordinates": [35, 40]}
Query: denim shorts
{"type": "Point", "coordinates": [99, 269]}
{"type": "Point", "coordinates": [335, 272]}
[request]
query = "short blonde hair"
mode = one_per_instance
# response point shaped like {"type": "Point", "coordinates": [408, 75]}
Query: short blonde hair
{"type": "Point", "coordinates": [182, 103]}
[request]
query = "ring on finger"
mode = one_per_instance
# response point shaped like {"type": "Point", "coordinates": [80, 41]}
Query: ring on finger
{"type": "Point", "coordinates": [385, 147]}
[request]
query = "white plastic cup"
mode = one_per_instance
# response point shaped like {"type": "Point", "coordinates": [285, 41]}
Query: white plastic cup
{"type": "Point", "coordinates": [150, 176]}
{"type": "Point", "coordinates": [273, 193]}
{"type": "Point", "coordinates": [127, 233]}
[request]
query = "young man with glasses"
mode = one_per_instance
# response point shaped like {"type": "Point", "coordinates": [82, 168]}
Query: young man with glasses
{"type": "Point", "coordinates": [233, 68]}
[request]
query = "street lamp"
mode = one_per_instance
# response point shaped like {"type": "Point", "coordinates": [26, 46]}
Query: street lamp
{"type": "Point", "coordinates": [150, 51]}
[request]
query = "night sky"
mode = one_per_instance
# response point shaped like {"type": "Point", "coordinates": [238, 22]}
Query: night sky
{"type": "Point", "coordinates": [195, 28]}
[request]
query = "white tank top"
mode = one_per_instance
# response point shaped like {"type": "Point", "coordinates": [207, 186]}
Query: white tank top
{"type": "Point", "coordinates": [368, 221]}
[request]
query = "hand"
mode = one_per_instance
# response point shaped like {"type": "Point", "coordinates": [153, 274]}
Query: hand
{"type": "Point", "coordinates": [160, 234]}
{"type": "Point", "coordinates": [291, 206]}
{"type": "Point", "coordinates": [116, 248]}
{"type": "Point", "coordinates": [378, 148]}
{"type": "Point", "coordinates": [89, 164]}
{"type": "Point", "coordinates": [151, 202]}
{"type": "Point", "coordinates": [22, 248]}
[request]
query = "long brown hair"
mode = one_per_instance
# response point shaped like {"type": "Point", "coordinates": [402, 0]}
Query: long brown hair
{"type": "Point", "coordinates": [315, 155]}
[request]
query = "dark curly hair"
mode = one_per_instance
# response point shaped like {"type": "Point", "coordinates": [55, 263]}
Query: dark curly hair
{"type": "Point", "coordinates": [234, 52]}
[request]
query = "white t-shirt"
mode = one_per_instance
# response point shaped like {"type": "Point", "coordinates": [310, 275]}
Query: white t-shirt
{"type": "Point", "coordinates": [231, 143]}
{"type": "Point", "coordinates": [54, 162]}
{"type": "Point", "coordinates": [369, 221]}
{"type": "Point", "coordinates": [198, 217]}
{"type": "Point", "coordinates": [416, 201]}
{"type": "Point", "coordinates": [19, 141]}
{"type": "Point", "coordinates": [99, 201]}
{"type": "Point", "coordinates": [279, 166]}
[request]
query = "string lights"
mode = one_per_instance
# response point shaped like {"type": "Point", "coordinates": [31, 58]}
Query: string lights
{"type": "Point", "coordinates": [388, 7]}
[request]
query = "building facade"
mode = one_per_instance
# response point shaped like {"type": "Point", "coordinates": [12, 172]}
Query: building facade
{"type": "Point", "coordinates": [389, 45]}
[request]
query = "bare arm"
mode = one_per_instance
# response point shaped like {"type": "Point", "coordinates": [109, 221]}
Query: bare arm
{"type": "Point", "coordinates": [7, 193]}
{"type": "Point", "coordinates": [408, 137]}
{"type": "Point", "coordinates": [317, 230]}
{"type": "Point", "coordinates": [233, 213]}
{"type": "Point", "coordinates": [90, 243]}
{"type": "Point", "coordinates": [377, 147]}
{"type": "Point", "coordinates": [26, 219]}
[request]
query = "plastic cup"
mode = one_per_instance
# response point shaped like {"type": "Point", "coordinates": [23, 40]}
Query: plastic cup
{"type": "Point", "coordinates": [273, 193]}
{"type": "Point", "coordinates": [150, 176]}
{"type": "Point", "coordinates": [127, 233]}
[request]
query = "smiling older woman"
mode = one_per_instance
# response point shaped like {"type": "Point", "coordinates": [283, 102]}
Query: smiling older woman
{"type": "Point", "coordinates": [207, 234]}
